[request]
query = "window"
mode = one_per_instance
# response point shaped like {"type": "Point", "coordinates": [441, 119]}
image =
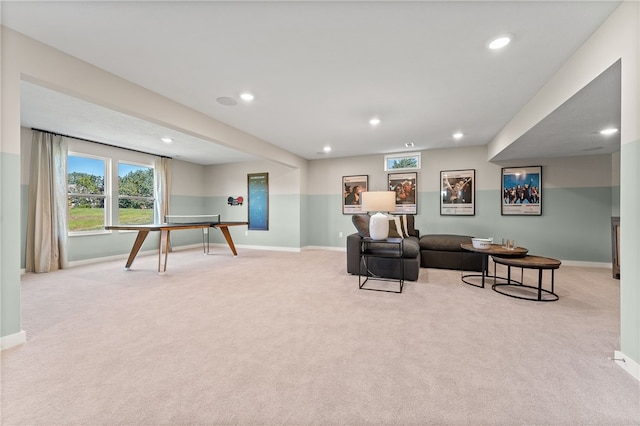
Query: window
{"type": "Point", "coordinates": [399, 162]}
{"type": "Point", "coordinates": [135, 189]}
{"type": "Point", "coordinates": [86, 194]}
{"type": "Point", "coordinates": [108, 185]}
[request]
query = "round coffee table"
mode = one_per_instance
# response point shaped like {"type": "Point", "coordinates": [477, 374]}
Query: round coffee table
{"type": "Point", "coordinates": [493, 250]}
{"type": "Point", "coordinates": [528, 262]}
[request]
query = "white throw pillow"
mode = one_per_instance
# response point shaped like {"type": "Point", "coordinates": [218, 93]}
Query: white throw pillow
{"type": "Point", "coordinates": [405, 229]}
{"type": "Point", "coordinates": [397, 226]}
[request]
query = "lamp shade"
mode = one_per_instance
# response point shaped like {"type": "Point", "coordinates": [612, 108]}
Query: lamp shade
{"type": "Point", "coordinates": [378, 201]}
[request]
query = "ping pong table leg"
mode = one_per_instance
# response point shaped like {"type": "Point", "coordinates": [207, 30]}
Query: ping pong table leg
{"type": "Point", "coordinates": [227, 236]}
{"type": "Point", "coordinates": [205, 240]}
{"type": "Point", "coordinates": [164, 247]}
{"type": "Point", "coordinates": [142, 235]}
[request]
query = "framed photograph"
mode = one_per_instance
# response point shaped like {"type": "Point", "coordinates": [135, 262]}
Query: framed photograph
{"type": "Point", "coordinates": [458, 192]}
{"type": "Point", "coordinates": [522, 191]}
{"type": "Point", "coordinates": [400, 162]}
{"type": "Point", "coordinates": [405, 185]}
{"type": "Point", "coordinates": [352, 187]}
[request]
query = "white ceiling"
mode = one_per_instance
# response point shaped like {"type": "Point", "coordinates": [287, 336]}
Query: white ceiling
{"type": "Point", "coordinates": [320, 70]}
{"type": "Point", "coordinates": [46, 109]}
{"type": "Point", "coordinates": [574, 127]}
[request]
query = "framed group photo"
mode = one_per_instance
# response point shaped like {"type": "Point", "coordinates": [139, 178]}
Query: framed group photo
{"type": "Point", "coordinates": [458, 192]}
{"type": "Point", "coordinates": [522, 191]}
{"type": "Point", "coordinates": [405, 187]}
{"type": "Point", "coordinates": [352, 189]}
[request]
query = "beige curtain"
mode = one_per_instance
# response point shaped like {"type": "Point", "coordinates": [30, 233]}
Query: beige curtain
{"type": "Point", "coordinates": [47, 211]}
{"type": "Point", "coordinates": [162, 190]}
{"type": "Point", "coordinates": [162, 187]}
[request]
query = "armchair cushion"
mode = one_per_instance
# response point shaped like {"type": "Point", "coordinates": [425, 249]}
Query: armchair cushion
{"type": "Point", "coordinates": [444, 242]}
{"type": "Point", "coordinates": [361, 222]}
{"type": "Point", "coordinates": [410, 247]}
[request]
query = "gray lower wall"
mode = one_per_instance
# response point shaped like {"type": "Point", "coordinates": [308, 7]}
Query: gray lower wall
{"type": "Point", "coordinates": [629, 255]}
{"type": "Point", "coordinates": [575, 224]}
{"type": "Point", "coordinates": [9, 233]}
{"type": "Point", "coordinates": [282, 233]}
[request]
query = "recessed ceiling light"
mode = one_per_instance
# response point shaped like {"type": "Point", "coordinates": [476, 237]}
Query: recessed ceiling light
{"type": "Point", "coordinates": [374, 121]}
{"type": "Point", "coordinates": [327, 148]}
{"type": "Point", "coordinates": [499, 43]}
{"type": "Point", "coordinates": [608, 132]}
{"type": "Point", "coordinates": [248, 97]}
{"type": "Point", "coordinates": [458, 135]}
{"type": "Point", "coordinates": [166, 139]}
{"type": "Point", "coordinates": [409, 144]}
{"type": "Point", "coordinates": [226, 101]}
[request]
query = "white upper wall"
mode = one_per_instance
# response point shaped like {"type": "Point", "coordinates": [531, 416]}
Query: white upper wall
{"type": "Point", "coordinates": [325, 176]}
{"type": "Point", "coordinates": [187, 179]}
{"type": "Point", "coordinates": [230, 180]}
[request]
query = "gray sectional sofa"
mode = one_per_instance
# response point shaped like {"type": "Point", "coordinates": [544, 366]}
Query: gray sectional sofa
{"type": "Point", "coordinates": [429, 251]}
{"type": "Point", "coordinates": [443, 251]}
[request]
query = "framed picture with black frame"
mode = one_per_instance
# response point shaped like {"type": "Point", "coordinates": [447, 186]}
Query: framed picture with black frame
{"type": "Point", "coordinates": [521, 191]}
{"type": "Point", "coordinates": [405, 185]}
{"type": "Point", "coordinates": [258, 201]}
{"type": "Point", "coordinates": [458, 192]}
{"type": "Point", "coordinates": [352, 189]}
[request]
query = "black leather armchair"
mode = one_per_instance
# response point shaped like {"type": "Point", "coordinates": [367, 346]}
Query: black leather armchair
{"type": "Point", "coordinates": [385, 267]}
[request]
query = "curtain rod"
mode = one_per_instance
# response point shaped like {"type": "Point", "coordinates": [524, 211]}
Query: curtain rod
{"type": "Point", "coordinates": [99, 143]}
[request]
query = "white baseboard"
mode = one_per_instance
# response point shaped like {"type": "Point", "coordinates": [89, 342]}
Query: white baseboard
{"type": "Point", "coordinates": [270, 248]}
{"type": "Point", "coordinates": [586, 264]}
{"type": "Point", "coordinates": [238, 246]}
{"type": "Point", "coordinates": [108, 258]}
{"type": "Point", "coordinates": [627, 364]}
{"type": "Point", "coordinates": [12, 340]}
{"type": "Point", "coordinates": [178, 248]}
{"type": "Point", "coordinates": [152, 252]}
{"type": "Point", "coordinates": [577, 263]}
{"type": "Point", "coordinates": [305, 248]}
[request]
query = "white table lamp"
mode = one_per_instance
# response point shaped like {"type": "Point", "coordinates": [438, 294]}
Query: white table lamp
{"type": "Point", "coordinates": [378, 201]}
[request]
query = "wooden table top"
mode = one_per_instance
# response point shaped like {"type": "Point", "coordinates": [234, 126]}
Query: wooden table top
{"type": "Point", "coordinates": [531, 262]}
{"type": "Point", "coordinates": [497, 250]}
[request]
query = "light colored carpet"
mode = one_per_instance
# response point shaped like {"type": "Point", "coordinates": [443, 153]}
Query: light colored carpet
{"type": "Point", "coordinates": [288, 338]}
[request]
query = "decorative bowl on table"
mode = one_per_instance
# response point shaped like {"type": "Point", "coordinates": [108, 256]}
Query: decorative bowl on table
{"type": "Point", "coordinates": [481, 243]}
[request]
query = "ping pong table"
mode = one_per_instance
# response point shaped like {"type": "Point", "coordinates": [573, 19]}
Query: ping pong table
{"type": "Point", "coordinates": [176, 223]}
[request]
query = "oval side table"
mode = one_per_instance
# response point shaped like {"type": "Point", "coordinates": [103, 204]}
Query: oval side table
{"type": "Point", "coordinates": [528, 262]}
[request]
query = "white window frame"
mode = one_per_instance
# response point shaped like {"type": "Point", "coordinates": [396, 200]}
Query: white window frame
{"type": "Point", "coordinates": [106, 196]}
{"type": "Point", "coordinates": [112, 156]}
{"type": "Point", "coordinates": [402, 156]}
{"type": "Point", "coordinates": [117, 190]}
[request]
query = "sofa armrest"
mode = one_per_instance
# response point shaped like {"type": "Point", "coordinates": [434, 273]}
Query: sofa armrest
{"type": "Point", "coordinates": [353, 253]}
